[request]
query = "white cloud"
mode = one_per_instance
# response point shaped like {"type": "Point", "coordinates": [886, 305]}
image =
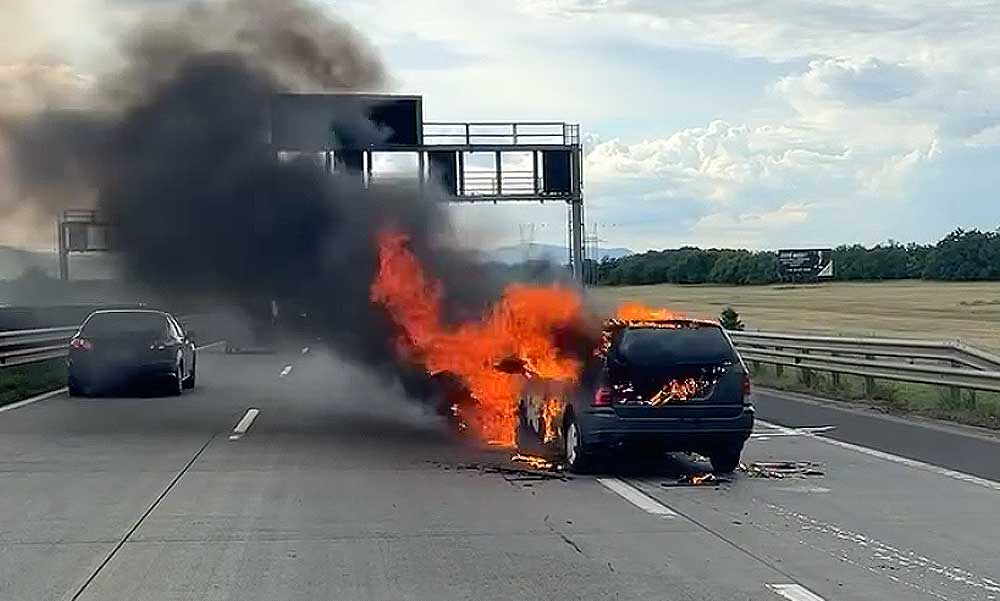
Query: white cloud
{"type": "Point", "coordinates": [894, 30]}
{"type": "Point", "coordinates": [722, 162]}
{"type": "Point", "coordinates": [987, 137]}
{"type": "Point", "coordinates": [752, 229]}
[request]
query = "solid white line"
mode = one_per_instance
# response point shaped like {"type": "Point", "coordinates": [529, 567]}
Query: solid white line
{"type": "Point", "coordinates": [34, 399]}
{"type": "Point", "coordinates": [244, 424]}
{"type": "Point", "coordinates": [920, 465]}
{"type": "Point", "coordinates": [794, 592]}
{"type": "Point", "coordinates": [639, 499]}
{"type": "Point", "coordinates": [210, 345]}
{"type": "Point", "coordinates": [287, 370]}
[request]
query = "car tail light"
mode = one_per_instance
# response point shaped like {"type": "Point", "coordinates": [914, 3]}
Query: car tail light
{"type": "Point", "coordinates": [81, 343]}
{"type": "Point", "coordinates": [602, 398]}
{"type": "Point", "coordinates": [746, 385]}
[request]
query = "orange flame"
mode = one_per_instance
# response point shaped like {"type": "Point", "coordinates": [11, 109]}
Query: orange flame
{"type": "Point", "coordinates": [551, 413]}
{"type": "Point", "coordinates": [676, 390]}
{"type": "Point", "coordinates": [634, 311]}
{"type": "Point", "coordinates": [702, 479]}
{"type": "Point", "coordinates": [520, 324]}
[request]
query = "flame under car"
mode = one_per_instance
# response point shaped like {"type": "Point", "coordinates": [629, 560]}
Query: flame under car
{"type": "Point", "coordinates": [669, 385]}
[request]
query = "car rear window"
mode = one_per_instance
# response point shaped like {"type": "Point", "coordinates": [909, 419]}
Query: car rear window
{"type": "Point", "coordinates": [110, 324]}
{"type": "Point", "coordinates": [685, 345]}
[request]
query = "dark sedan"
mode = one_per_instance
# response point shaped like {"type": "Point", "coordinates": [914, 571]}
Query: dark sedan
{"type": "Point", "coordinates": [116, 348]}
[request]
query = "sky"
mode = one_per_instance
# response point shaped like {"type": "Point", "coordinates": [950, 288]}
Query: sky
{"type": "Point", "coordinates": [715, 123]}
{"type": "Point", "coordinates": [724, 123]}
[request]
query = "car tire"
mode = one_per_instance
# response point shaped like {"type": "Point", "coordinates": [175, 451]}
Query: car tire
{"type": "Point", "coordinates": [725, 460]}
{"type": "Point", "coordinates": [577, 461]}
{"type": "Point", "coordinates": [175, 385]}
{"type": "Point", "coordinates": [190, 380]}
{"type": "Point", "coordinates": [75, 388]}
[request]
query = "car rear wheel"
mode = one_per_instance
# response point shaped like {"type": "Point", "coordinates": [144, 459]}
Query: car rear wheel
{"type": "Point", "coordinates": [75, 388]}
{"type": "Point", "coordinates": [576, 460]}
{"type": "Point", "coordinates": [725, 460]}
{"type": "Point", "coordinates": [189, 381]}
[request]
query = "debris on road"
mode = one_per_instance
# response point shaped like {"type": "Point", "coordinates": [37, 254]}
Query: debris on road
{"type": "Point", "coordinates": [782, 469]}
{"type": "Point", "coordinates": [511, 473]}
{"type": "Point", "coordinates": [707, 479]}
{"type": "Point", "coordinates": [536, 462]}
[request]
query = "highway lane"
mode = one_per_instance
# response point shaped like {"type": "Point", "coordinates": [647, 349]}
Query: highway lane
{"type": "Point", "coordinates": [967, 449]}
{"type": "Point", "coordinates": [340, 489]}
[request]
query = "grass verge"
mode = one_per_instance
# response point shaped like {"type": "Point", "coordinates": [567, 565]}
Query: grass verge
{"type": "Point", "coordinates": [24, 381]}
{"type": "Point", "coordinates": [968, 311]}
{"type": "Point", "coordinates": [974, 408]}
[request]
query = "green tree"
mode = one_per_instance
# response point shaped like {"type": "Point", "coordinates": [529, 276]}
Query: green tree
{"type": "Point", "coordinates": [730, 319]}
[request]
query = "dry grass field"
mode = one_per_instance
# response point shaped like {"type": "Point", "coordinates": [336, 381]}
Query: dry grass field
{"type": "Point", "coordinates": [968, 311]}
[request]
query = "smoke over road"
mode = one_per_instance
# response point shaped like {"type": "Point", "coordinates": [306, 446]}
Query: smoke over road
{"type": "Point", "coordinates": [176, 152]}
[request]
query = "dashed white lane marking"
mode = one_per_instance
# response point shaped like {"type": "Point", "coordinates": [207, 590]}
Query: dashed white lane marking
{"type": "Point", "coordinates": [794, 592]}
{"type": "Point", "coordinates": [772, 433]}
{"type": "Point", "coordinates": [34, 399]}
{"type": "Point", "coordinates": [640, 500]}
{"type": "Point", "coordinates": [244, 424]}
{"type": "Point", "coordinates": [305, 350]}
{"type": "Point", "coordinates": [287, 370]}
{"type": "Point", "coordinates": [920, 465]}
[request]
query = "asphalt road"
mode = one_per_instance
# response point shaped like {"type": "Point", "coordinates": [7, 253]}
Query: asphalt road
{"type": "Point", "coordinates": [339, 489]}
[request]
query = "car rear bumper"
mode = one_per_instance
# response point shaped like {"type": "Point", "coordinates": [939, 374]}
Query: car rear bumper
{"type": "Point", "coordinates": [106, 373]}
{"type": "Point", "coordinates": [602, 428]}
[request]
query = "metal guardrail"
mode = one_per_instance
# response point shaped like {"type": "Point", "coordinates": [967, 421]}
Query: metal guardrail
{"type": "Point", "coordinates": [30, 346]}
{"type": "Point", "coordinates": [940, 363]}
{"type": "Point", "coordinates": [20, 347]}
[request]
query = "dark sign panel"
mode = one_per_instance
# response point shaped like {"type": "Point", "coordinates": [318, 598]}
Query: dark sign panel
{"type": "Point", "coordinates": [557, 172]}
{"type": "Point", "coordinates": [802, 265]}
{"type": "Point", "coordinates": [318, 122]}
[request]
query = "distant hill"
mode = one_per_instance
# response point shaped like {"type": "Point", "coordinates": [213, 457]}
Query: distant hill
{"type": "Point", "coordinates": [553, 253]}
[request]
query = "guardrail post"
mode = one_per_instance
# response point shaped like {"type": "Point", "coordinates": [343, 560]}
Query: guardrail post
{"type": "Point", "coordinates": [956, 395]}
{"type": "Point", "coordinates": [955, 391]}
{"type": "Point", "coordinates": [779, 369]}
{"type": "Point", "coordinates": [807, 376]}
{"type": "Point", "coordinates": [869, 382]}
{"type": "Point", "coordinates": [835, 376]}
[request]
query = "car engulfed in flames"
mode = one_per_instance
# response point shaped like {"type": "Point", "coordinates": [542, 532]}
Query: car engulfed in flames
{"type": "Point", "coordinates": [536, 362]}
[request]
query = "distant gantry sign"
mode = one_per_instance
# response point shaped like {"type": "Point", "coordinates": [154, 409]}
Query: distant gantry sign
{"type": "Point", "coordinates": [346, 122]}
{"type": "Point", "coordinates": [805, 265]}
{"type": "Point", "coordinates": [529, 161]}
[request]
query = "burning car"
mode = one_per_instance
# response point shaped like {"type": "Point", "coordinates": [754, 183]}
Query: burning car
{"type": "Point", "coordinates": [667, 384]}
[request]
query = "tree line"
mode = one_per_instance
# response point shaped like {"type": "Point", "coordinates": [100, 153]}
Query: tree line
{"type": "Point", "coordinates": [961, 255]}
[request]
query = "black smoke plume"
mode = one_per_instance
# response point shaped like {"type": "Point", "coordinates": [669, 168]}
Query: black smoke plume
{"type": "Point", "coordinates": [179, 158]}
